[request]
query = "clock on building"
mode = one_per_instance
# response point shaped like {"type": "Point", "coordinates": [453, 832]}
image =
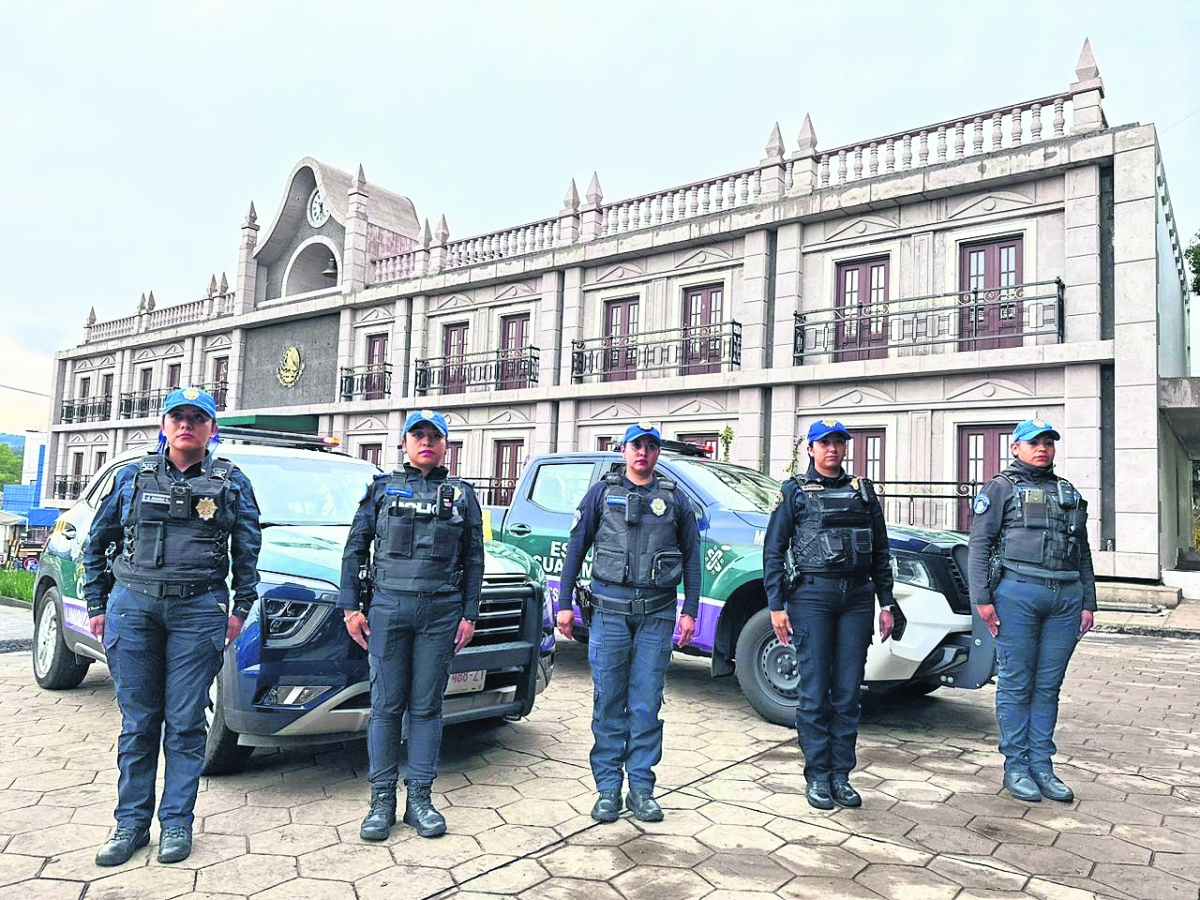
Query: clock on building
{"type": "Point", "coordinates": [318, 214]}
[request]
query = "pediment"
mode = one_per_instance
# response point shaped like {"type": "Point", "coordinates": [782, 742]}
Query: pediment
{"type": "Point", "coordinates": [99, 438]}
{"type": "Point", "coordinates": [218, 342]}
{"type": "Point", "coordinates": [106, 361]}
{"type": "Point", "coordinates": [138, 437]}
{"type": "Point", "coordinates": [988, 390]}
{"type": "Point", "coordinates": [515, 290]}
{"type": "Point", "coordinates": [861, 226]}
{"type": "Point", "coordinates": [697, 405]}
{"type": "Point", "coordinates": [455, 420]}
{"type": "Point", "coordinates": [78, 438]}
{"type": "Point", "coordinates": [143, 354]}
{"type": "Point", "coordinates": [85, 365]}
{"type": "Point", "coordinates": [989, 204]}
{"type": "Point", "coordinates": [450, 301]}
{"type": "Point", "coordinates": [508, 417]}
{"type": "Point", "coordinates": [856, 396]}
{"type": "Point", "coordinates": [622, 271]}
{"type": "Point", "coordinates": [703, 256]}
{"type": "Point", "coordinates": [374, 314]}
{"type": "Point", "coordinates": [370, 423]}
{"type": "Point", "coordinates": [616, 411]}
{"type": "Point", "coordinates": [174, 350]}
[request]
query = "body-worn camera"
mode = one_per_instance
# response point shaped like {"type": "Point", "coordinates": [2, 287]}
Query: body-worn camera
{"type": "Point", "coordinates": [181, 501]}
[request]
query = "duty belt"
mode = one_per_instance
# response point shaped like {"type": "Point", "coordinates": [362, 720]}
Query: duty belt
{"type": "Point", "coordinates": [1039, 579]}
{"type": "Point", "coordinates": [852, 579]}
{"type": "Point", "coordinates": [182, 591]}
{"type": "Point", "coordinates": [640, 606]}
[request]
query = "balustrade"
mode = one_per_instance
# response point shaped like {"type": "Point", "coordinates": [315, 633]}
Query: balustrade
{"type": "Point", "coordinates": [86, 409]}
{"type": "Point", "coordinates": [69, 487]}
{"type": "Point", "coordinates": [370, 382]}
{"type": "Point", "coordinates": [693, 350]}
{"type": "Point", "coordinates": [141, 404]}
{"type": "Point", "coordinates": [506, 369]}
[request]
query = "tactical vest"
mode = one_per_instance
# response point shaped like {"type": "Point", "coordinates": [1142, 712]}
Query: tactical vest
{"type": "Point", "coordinates": [177, 532]}
{"type": "Point", "coordinates": [832, 531]}
{"type": "Point", "coordinates": [637, 543]}
{"type": "Point", "coordinates": [1042, 528]}
{"type": "Point", "coordinates": [418, 533]}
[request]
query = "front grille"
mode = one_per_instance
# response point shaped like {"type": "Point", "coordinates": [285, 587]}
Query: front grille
{"type": "Point", "coordinates": [502, 605]}
{"type": "Point", "coordinates": [957, 564]}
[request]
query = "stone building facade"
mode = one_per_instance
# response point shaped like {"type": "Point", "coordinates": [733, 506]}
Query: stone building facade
{"type": "Point", "coordinates": [929, 288]}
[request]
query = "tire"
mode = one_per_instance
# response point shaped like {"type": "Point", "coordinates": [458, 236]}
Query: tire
{"type": "Point", "coordinates": [767, 671]}
{"type": "Point", "coordinates": [55, 667]}
{"type": "Point", "coordinates": [223, 755]}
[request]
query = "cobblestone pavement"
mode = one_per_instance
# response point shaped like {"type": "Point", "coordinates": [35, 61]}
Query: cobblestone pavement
{"type": "Point", "coordinates": [934, 824]}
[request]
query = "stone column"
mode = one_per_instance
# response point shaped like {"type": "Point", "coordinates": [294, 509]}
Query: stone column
{"type": "Point", "coordinates": [804, 161]}
{"type": "Point", "coordinates": [1081, 224]}
{"type": "Point", "coordinates": [1087, 94]}
{"type": "Point", "coordinates": [754, 305]}
{"type": "Point", "coordinates": [772, 168]}
{"type": "Point", "coordinates": [550, 338]}
{"type": "Point", "coordinates": [591, 218]}
{"type": "Point", "coordinates": [783, 431]}
{"type": "Point", "coordinates": [354, 250]}
{"type": "Point", "coordinates": [347, 339]}
{"type": "Point", "coordinates": [237, 343]}
{"type": "Point", "coordinates": [1079, 455]}
{"type": "Point", "coordinates": [789, 277]}
{"type": "Point", "coordinates": [571, 323]}
{"type": "Point", "coordinates": [247, 270]}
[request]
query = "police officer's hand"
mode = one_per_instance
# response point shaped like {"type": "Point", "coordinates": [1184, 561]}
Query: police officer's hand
{"type": "Point", "coordinates": [566, 621]}
{"type": "Point", "coordinates": [1086, 621]}
{"type": "Point", "coordinates": [356, 625]}
{"type": "Point", "coordinates": [886, 623]}
{"type": "Point", "coordinates": [233, 629]}
{"type": "Point", "coordinates": [96, 625]}
{"type": "Point", "coordinates": [781, 625]}
{"type": "Point", "coordinates": [466, 631]}
{"type": "Point", "coordinates": [687, 630]}
{"type": "Point", "coordinates": [987, 612]}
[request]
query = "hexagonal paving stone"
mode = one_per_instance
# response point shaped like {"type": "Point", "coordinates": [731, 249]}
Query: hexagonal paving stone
{"type": "Point", "coordinates": [516, 840]}
{"type": "Point", "coordinates": [478, 865]}
{"type": "Point", "coordinates": [11, 799]}
{"type": "Point", "coordinates": [914, 790]}
{"type": "Point", "coordinates": [907, 883]}
{"type": "Point", "coordinates": [483, 796]}
{"type": "Point", "coordinates": [345, 861]}
{"type": "Point", "coordinates": [1159, 803]}
{"type": "Point", "coordinates": [328, 812]}
{"type": "Point", "coordinates": [731, 814]}
{"type": "Point", "coordinates": [446, 852]}
{"type": "Point", "coordinates": [825, 889]}
{"type": "Point", "coordinates": [683, 821]}
{"type": "Point", "coordinates": [1139, 881]}
{"type": "Point", "coordinates": [507, 879]}
{"type": "Point", "coordinates": [414, 882]}
{"type": "Point", "coordinates": [293, 840]}
{"type": "Point", "coordinates": [309, 889]}
{"type": "Point", "coordinates": [746, 792]}
{"type": "Point", "coordinates": [1020, 831]}
{"type": "Point", "coordinates": [57, 839]}
{"type": "Point", "coordinates": [465, 820]}
{"type": "Point", "coordinates": [873, 822]}
{"type": "Point", "coordinates": [144, 883]}
{"type": "Point", "coordinates": [1038, 860]}
{"type": "Point", "coordinates": [246, 874]}
{"type": "Point", "coordinates": [1103, 848]}
{"type": "Point", "coordinates": [208, 850]}
{"type": "Point", "coordinates": [1064, 819]}
{"type": "Point", "coordinates": [1161, 840]}
{"type": "Point", "coordinates": [554, 789]}
{"type": "Point", "coordinates": [1185, 865]}
{"type": "Point", "coordinates": [950, 839]}
{"type": "Point", "coordinates": [979, 872]}
{"type": "Point", "coordinates": [1119, 813]}
{"type": "Point", "coordinates": [661, 883]}
{"type": "Point", "coordinates": [874, 850]}
{"type": "Point", "coordinates": [565, 889]}
{"type": "Point", "coordinates": [819, 862]}
{"type": "Point", "coordinates": [537, 812]}
{"type": "Point", "coordinates": [14, 868]}
{"type": "Point", "coordinates": [822, 833]}
{"type": "Point", "coordinates": [31, 818]}
{"type": "Point", "coordinates": [739, 837]}
{"type": "Point", "coordinates": [742, 872]}
{"type": "Point", "coordinates": [589, 863]}
{"type": "Point", "coordinates": [237, 821]}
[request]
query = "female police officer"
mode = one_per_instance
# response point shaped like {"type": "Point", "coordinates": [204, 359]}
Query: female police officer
{"type": "Point", "coordinates": [1030, 575]}
{"type": "Point", "coordinates": [427, 572]}
{"type": "Point", "coordinates": [170, 527]}
{"type": "Point", "coordinates": [828, 533]}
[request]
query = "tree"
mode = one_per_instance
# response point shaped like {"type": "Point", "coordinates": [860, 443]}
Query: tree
{"type": "Point", "coordinates": [10, 465]}
{"type": "Point", "coordinates": [1192, 255]}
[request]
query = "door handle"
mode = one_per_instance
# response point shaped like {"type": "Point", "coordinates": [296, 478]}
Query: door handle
{"type": "Point", "coordinates": [520, 530]}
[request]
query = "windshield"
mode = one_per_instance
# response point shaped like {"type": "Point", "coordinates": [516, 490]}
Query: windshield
{"type": "Point", "coordinates": [734, 487]}
{"type": "Point", "coordinates": [316, 489]}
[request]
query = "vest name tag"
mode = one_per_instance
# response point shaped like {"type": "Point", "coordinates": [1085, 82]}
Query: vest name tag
{"type": "Point", "coordinates": [617, 501]}
{"type": "Point", "coordinates": [421, 508]}
{"type": "Point", "coordinates": [397, 491]}
{"type": "Point", "coordinates": [156, 499]}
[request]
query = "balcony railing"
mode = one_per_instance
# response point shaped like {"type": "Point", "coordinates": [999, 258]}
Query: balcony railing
{"type": "Point", "coordinates": [373, 382]}
{"type": "Point", "coordinates": [69, 487]}
{"type": "Point", "coordinates": [86, 409]}
{"type": "Point", "coordinates": [219, 391]}
{"type": "Point", "coordinates": [984, 319]}
{"type": "Point", "coordinates": [940, 505]}
{"type": "Point", "coordinates": [501, 370]}
{"type": "Point", "coordinates": [493, 491]}
{"type": "Point", "coordinates": [694, 350]}
{"type": "Point", "coordinates": [141, 404]}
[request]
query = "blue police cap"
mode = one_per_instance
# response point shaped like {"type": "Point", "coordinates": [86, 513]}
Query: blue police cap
{"type": "Point", "coordinates": [417, 416]}
{"type": "Point", "coordinates": [1031, 428]}
{"type": "Point", "coordinates": [825, 427]}
{"type": "Point", "coordinates": [191, 396]}
{"type": "Point", "coordinates": [641, 429]}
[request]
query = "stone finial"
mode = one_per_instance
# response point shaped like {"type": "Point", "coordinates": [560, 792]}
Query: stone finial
{"type": "Point", "coordinates": [360, 182]}
{"type": "Point", "coordinates": [426, 237]}
{"type": "Point", "coordinates": [775, 144]}
{"type": "Point", "coordinates": [223, 287]}
{"type": "Point", "coordinates": [141, 304]}
{"type": "Point", "coordinates": [808, 137]}
{"type": "Point", "coordinates": [212, 285]}
{"type": "Point", "coordinates": [91, 319]}
{"type": "Point", "coordinates": [594, 195]}
{"type": "Point", "coordinates": [150, 302]}
{"type": "Point", "coordinates": [571, 200]}
{"type": "Point", "coordinates": [1086, 68]}
{"type": "Point", "coordinates": [251, 217]}
{"type": "Point", "coordinates": [442, 234]}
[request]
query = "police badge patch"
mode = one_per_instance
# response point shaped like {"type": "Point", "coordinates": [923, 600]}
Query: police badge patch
{"type": "Point", "coordinates": [981, 504]}
{"type": "Point", "coordinates": [206, 508]}
{"type": "Point", "coordinates": [778, 499]}
{"type": "Point", "coordinates": [658, 506]}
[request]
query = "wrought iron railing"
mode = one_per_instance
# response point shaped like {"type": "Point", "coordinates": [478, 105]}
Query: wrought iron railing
{"type": "Point", "coordinates": [141, 404]}
{"type": "Point", "coordinates": [501, 370]}
{"type": "Point", "coordinates": [371, 382]}
{"type": "Point", "coordinates": [941, 505]}
{"type": "Point", "coordinates": [219, 391]}
{"type": "Point", "coordinates": [965, 320]}
{"type": "Point", "coordinates": [493, 491]}
{"type": "Point", "coordinates": [69, 487]}
{"type": "Point", "coordinates": [86, 409]}
{"type": "Point", "coordinates": [672, 351]}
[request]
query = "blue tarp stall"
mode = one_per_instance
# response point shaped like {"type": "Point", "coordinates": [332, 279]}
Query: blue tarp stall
{"type": "Point", "coordinates": [42, 517]}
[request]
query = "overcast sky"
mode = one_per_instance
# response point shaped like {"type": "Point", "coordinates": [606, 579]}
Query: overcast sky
{"type": "Point", "coordinates": [133, 136]}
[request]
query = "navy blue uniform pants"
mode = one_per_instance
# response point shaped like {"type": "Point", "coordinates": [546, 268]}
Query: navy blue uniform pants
{"type": "Point", "coordinates": [163, 654]}
{"type": "Point", "coordinates": [411, 646]}
{"type": "Point", "coordinates": [1039, 628]}
{"type": "Point", "coordinates": [832, 623]}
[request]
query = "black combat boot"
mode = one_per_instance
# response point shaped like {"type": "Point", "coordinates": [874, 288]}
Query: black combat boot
{"type": "Point", "coordinates": [419, 811]}
{"type": "Point", "coordinates": [379, 821]}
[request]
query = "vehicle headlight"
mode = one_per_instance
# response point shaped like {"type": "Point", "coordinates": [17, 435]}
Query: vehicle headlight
{"type": "Point", "coordinates": [293, 609]}
{"type": "Point", "coordinates": [909, 569]}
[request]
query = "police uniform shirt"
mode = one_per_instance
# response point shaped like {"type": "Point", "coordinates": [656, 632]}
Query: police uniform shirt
{"type": "Point", "coordinates": [245, 537]}
{"type": "Point", "coordinates": [362, 535]}
{"type": "Point", "coordinates": [989, 509]}
{"type": "Point", "coordinates": [782, 525]}
{"type": "Point", "coordinates": [583, 536]}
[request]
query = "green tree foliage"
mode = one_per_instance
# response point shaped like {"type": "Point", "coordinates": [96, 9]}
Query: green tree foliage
{"type": "Point", "coordinates": [1192, 254]}
{"type": "Point", "coordinates": [10, 465]}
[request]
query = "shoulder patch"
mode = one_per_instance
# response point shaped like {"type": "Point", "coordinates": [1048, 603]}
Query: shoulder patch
{"type": "Point", "coordinates": [777, 501]}
{"type": "Point", "coordinates": [981, 505]}
{"type": "Point", "coordinates": [578, 517]}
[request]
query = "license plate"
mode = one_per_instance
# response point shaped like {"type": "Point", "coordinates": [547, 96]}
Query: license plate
{"type": "Point", "coordinates": [466, 682]}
